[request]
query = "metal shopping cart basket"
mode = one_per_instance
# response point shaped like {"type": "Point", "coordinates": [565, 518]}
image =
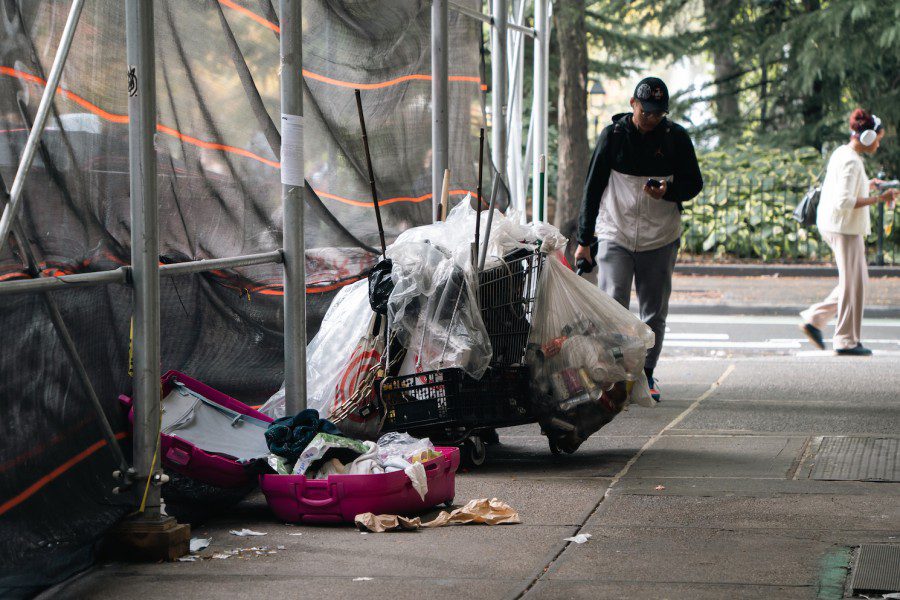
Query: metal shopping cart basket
{"type": "Point", "coordinates": [451, 407]}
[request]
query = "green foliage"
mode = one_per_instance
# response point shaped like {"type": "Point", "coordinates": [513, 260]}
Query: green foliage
{"type": "Point", "coordinates": [744, 211]}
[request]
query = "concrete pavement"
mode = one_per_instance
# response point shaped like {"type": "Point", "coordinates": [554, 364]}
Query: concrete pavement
{"type": "Point", "coordinates": [708, 495]}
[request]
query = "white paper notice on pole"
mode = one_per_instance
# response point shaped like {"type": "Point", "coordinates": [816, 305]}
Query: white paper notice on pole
{"type": "Point", "coordinates": [292, 150]}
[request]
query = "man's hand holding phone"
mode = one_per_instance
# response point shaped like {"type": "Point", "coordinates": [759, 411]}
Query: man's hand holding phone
{"type": "Point", "coordinates": [656, 188]}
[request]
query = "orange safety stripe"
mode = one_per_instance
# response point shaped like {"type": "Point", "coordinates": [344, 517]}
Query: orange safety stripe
{"type": "Point", "coordinates": [251, 14]}
{"type": "Point", "coordinates": [116, 118]}
{"type": "Point", "coordinates": [112, 117]}
{"type": "Point", "coordinates": [386, 201]}
{"type": "Point", "coordinates": [54, 474]}
{"type": "Point", "coordinates": [348, 84]}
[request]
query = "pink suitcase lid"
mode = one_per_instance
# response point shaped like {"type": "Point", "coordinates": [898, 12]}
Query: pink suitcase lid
{"type": "Point", "coordinates": [339, 498]}
{"type": "Point", "coordinates": [187, 459]}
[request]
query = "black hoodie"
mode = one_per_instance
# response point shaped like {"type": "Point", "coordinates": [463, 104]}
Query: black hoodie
{"type": "Point", "coordinates": [665, 151]}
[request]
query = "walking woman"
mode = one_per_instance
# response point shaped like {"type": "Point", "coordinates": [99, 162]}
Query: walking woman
{"type": "Point", "coordinates": [843, 221]}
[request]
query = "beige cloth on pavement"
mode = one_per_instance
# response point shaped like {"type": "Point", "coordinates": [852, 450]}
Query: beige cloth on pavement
{"type": "Point", "coordinates": [488, 512]}
{"type": "Point", "coordinates": [848, 298]}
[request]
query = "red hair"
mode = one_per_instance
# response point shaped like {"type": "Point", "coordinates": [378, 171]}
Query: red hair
{"type": "Point", "coordinates": [861, 120]}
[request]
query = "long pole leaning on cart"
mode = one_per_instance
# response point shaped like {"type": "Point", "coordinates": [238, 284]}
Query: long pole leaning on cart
{"type": "Point", "coordinates": [478, 194]}
{"type": "Point", "coordinates": [365, 139]}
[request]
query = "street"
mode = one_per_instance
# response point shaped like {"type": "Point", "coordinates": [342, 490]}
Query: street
{"type": "Point", "coordinates": [721, 491]}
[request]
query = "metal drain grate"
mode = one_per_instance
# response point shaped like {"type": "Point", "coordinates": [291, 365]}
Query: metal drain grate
{"type": "Point", "coordinates": [855, 459]}
{"type": "Point", "coordinates": [877, 569]}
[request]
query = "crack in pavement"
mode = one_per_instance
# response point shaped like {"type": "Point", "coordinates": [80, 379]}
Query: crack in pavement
{"type": "Point", "coordinates": [624, 471]}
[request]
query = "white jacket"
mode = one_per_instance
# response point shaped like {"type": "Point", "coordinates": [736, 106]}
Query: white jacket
{"type": "Point", "coordinates": [632, 218]}
{"type": "Point", "coordinates": [845, 181]}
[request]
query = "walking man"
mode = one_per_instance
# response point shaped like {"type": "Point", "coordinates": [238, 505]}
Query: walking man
{"type": "Point", "coordinates": [643, 169]}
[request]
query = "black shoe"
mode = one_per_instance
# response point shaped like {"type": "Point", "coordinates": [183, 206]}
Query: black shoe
{"type": "Point", "coordinates": [814, 334]}
{"type": "Point", "coordinates": [857, 350]}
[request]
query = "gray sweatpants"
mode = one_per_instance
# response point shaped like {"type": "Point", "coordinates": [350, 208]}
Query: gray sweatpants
{"type": "Point", "coordinates": [651, 272]}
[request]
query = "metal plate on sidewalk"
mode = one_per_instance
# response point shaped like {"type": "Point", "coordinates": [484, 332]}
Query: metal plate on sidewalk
{"type": "Point", "coordinates": [839, 458]}
{"type": "Point", "coordinates": [877, 569]}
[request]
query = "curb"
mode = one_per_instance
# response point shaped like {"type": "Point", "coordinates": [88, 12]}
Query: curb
{"type": "Point", "coordinates": [871, 312]}
{"type": "Point", "coordinates": [775, 270]}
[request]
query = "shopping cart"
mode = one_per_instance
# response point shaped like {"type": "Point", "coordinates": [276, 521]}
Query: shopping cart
{"type": "Point", "coordinates": [453, 408]}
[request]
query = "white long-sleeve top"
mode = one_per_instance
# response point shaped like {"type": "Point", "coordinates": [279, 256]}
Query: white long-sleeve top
{"type": "Point", "coordinates": [845, 181]}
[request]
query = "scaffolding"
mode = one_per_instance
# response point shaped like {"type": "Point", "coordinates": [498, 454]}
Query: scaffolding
{"type": "Point", "coordinates": [508, 34]}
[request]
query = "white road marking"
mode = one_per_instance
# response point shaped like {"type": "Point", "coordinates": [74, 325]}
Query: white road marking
{"type": "Point", "coordinates": [697, 336]}
{"type": "Point", "coordinates": [715, 344]}
{"type": "Point", "coordinates": [761, 320]}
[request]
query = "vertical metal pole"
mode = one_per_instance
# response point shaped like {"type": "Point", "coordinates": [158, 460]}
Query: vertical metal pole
{"type": "Point", "coordinates": [292, 196]}
{"type": "Point", "coordinates": [879, 248]}
{"type": "Point", "coordinates": [40, 121]}
{"type": "Point", "coordinates": [144, 242]}
{"type": "Point", "coordinates": [440, 127]}
{"type": "Point", "coordinates": [500, 13]}
{"type": "Point", "coordinates": [539, 105]}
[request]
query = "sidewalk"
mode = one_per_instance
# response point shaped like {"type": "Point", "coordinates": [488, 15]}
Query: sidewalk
{"type": "Point", "coordinates": [773, 295]}
{"type": "Point", "coordinates": [712, 494]}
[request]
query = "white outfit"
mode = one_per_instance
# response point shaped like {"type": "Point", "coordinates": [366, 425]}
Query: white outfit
{"type": "Point", "coordinates": [632, 218]}
{"type": "Point", "coordinates": [844, 227]}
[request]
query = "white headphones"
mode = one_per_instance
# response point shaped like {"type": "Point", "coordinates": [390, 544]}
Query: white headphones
{"type": "Point", "coordinates": [868, 137]}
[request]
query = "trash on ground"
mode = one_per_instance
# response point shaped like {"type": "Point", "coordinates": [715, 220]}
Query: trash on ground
{"type": "Point", "coordinates": [188, 558]}
{"type": "Point", "coordinates": [362, 579]}
{"type": "Point", "coordinates": [659, 488]}
{"type": "Point", "coordinates": [581, 538]}
{"type": "Point", "coordinates": [198, 544]}
{"type": "Point", "coordinates": [483, 511]}
{"type": "Point", "coordinates": [246, 532]}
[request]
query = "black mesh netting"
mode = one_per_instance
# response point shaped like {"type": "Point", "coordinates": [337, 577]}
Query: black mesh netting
{"type": "Point", "coordinates": [219, 195]}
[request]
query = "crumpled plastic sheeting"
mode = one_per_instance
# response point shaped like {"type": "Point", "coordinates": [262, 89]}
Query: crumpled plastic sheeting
{"type": "Point", "coordinates": [433, 309]}
{"type": "Point", "coordinates": [483, 511]}
{"type": "Point", "coordinates": [346, 325]}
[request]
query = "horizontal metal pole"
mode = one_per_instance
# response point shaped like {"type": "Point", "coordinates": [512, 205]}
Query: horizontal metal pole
{"type": "Point", "coordinates": [49, 284]}
{"type": "Point", "coordinates": [489, 19]}
{"type": "Point", "coordinates": [213, 264]}
{"type": "Point", "coordinates": [121, 275]}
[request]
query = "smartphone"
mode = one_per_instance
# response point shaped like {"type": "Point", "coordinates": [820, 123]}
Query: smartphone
{"type": "Point", "coordinates": [654, 183]}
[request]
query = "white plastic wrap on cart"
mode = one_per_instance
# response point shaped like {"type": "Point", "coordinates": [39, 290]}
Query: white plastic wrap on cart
{"type": "Point", "coordinates": [340, 361]}
{"type": "Point", "coordinates": [581, 341]}
{"type": "Point", "coordinates": [508, 233]}
{"type": "Point", "coordinates": [434, 312]}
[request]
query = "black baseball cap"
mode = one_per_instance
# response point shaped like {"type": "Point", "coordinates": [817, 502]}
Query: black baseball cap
{"type": "Point", "coordinates": [652, 94]}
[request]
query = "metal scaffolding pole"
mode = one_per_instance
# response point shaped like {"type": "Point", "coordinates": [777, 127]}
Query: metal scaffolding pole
{"type": "Point", "coordinates": [40, 121]}
{"type": "Point", "coordinates": [293, 187]}
{"type": "Point", "coordinates": [500, 10]}
{"type": "Point", "coordinates": [440, 125]}
{"type": "Point", "coordinates": [515, 174]}
{"type": "Point", "coordinates": [144, 244]}
{"type": "Point", "coordinates": [539, 106]}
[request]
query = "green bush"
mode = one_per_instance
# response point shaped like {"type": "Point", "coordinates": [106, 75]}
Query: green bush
{"type": "Point", "coordinates": [744, 211]}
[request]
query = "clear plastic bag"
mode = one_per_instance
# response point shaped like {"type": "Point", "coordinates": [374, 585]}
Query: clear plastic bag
{"type": "Point", "coordinates": [341, 364]}
{"type": "Point", "coordinates": [583, 345]}
{"type": "Point", "coordinates": [402, 445]}
{"type": "Point", "coordinates": [434, 312]}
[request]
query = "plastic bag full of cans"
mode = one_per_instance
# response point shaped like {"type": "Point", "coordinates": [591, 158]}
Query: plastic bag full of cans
{"type": "Point", "coordinates": [582, 344]}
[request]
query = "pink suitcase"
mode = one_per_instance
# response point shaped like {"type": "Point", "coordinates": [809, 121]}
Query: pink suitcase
{"type": "Point", "coordinates": [339, 498]}
{"type": "Point", "coordinates": [204, 465]}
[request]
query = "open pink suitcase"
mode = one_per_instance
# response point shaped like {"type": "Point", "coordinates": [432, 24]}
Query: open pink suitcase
{"type": "Point", "coordinates": [339, 498]}
{"type": "Point", "coordinates": [206, 433]}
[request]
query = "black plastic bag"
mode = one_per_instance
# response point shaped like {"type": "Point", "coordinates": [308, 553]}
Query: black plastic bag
{"type": "Point", "coordinates": [380, 286]}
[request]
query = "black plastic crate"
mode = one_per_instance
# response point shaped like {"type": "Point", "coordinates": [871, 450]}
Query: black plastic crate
{"type": "Point", "coordinates": [506, 295]}
{"type": "Point", "coordinates": [451, 399]}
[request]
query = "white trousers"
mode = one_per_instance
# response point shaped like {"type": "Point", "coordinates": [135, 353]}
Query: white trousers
{"type": "Point", "coordinates": [847, 300]}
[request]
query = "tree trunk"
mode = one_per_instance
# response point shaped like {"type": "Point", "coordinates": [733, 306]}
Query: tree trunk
{"type": "Point", "coordinates": [718, 16]}
{"type": "Point", "coordinates": [572, 109]}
